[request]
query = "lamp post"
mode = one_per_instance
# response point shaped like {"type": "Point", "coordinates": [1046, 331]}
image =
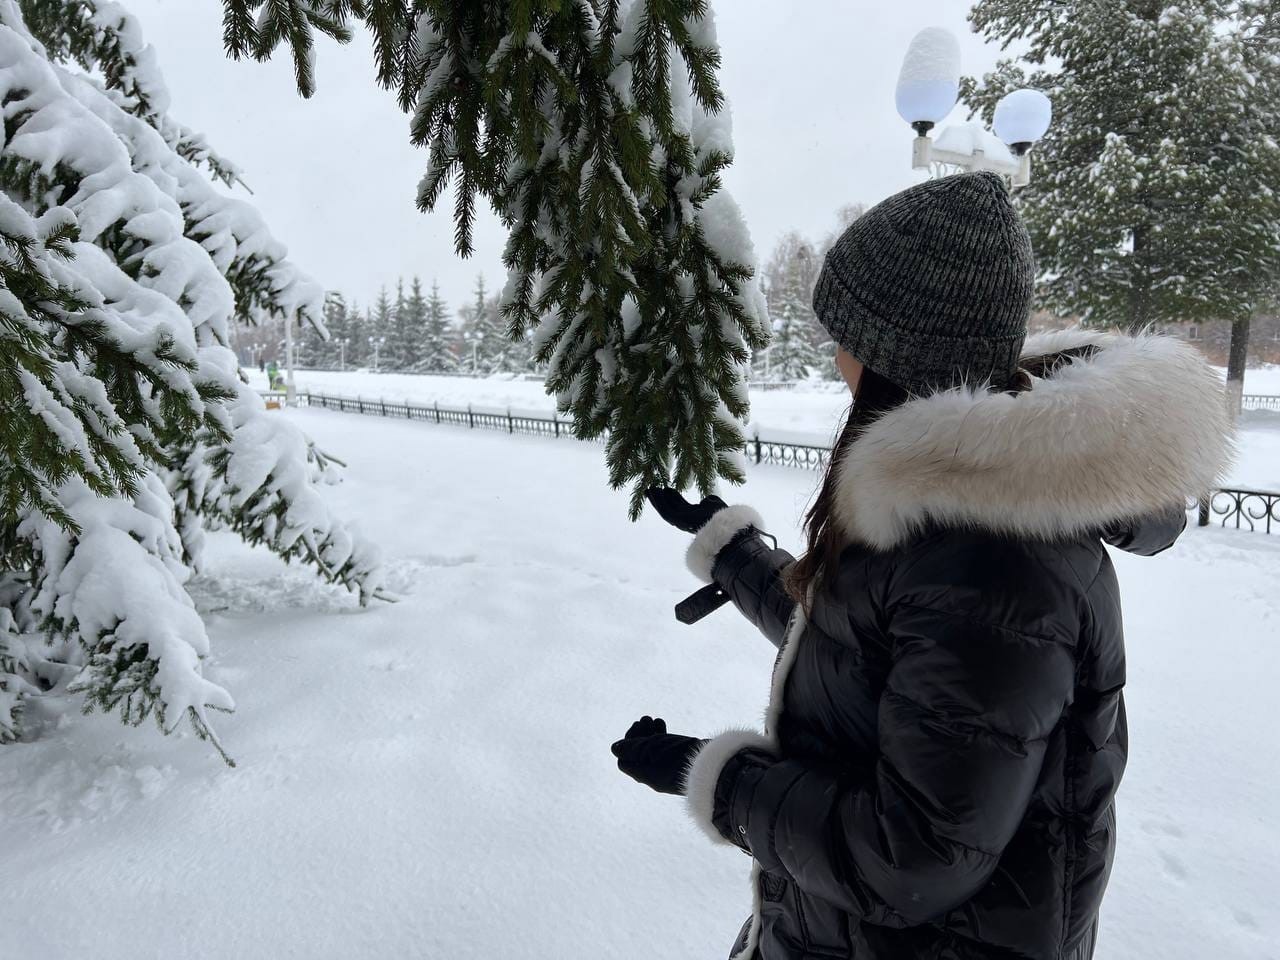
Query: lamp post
{"type": "Point", "coordinates": [342, 353]}
{"type": "Point", "coordinates": [290, 391]}
{"type": "Point", "coordinates": [376, 343]}
{"type": "Point", "coordinates": [928, 87]}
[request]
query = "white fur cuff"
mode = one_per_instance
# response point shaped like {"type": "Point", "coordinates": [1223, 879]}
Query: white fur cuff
{"type": "Point", "coordinates": [715, 536]}
{"type": "Point", "coordinates": [704, 773]}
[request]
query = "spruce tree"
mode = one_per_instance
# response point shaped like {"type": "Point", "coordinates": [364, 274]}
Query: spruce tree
{"type": "Point", "coordinates": [336, 350]}
{"type": "Point", "coordinates": [378, 330]}
{"type": "Point", "coordinates": [510, 355]}
{"type": "Point", "coordinates": [479, 325]}
{"type": "Point", "coordinates": [790, 275]}
{"type": "Point", "coordinates": [1154, 195]}
{"type": "Point", "coordinates": [435, 350]}
{"type": "Point", "coordinates": [412, 324]}
{"type": "Point", "coordinates": [124, 426]}
{"type": "Point", "coordinates": [490, 349]}
{"type": "Point", "coordinates": [596, 130]}
{"type": "Point", "coordinates": [315, 351]}
{"type": "Point", "coordinates": [358, 337]}
{"type": "Point", "coordinates": [403, 349]}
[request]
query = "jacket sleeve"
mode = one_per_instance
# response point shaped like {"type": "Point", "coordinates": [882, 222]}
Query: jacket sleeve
{"type": "Point", "coordinates": [1146, 536]}
{"type": "Point", "coordinates": [730, 552]}
{"type": "Point", "coordinates": [964, 721]}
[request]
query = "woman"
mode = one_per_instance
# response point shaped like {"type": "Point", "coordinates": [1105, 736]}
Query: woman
{"type": "Point", "coordinates": [945, 732]}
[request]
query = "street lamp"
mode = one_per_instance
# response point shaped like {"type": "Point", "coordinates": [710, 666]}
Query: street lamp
{"type": "Point", "coordinates": [376, 343]}
{"type": "Point", "coordinates": [342, 353]}
{"type": "Point", "coordinates": [290, 391]}
{"type": "Point", "coordinates": [476, 337]}
{"type": "Point", "coordinates": [928, 87]}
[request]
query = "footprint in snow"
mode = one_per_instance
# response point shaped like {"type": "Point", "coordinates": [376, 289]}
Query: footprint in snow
{"type": "Point", "coordinates": [68, 792]}
{"type": "Point", "coordinates": [404, 574]}
{"type": "Point", "coordinates": [1173, 866]}
{"type": "Point", "coordinates": [1244, 919]}
{"type": "Point", "coordinates": [1163, 828]}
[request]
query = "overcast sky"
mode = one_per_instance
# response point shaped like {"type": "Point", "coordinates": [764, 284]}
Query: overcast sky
{"type": "Point", "coordinates": [810, 84]}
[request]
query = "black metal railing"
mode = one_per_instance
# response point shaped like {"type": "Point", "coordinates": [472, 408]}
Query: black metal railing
{"type": "Point", "coordinates": [759, 449]}
{"type": "Point", "coordinates": [1254, 509]}
{"type": "Point", "coordinates": [1239, 508]}
{"type": "Point", "coordinates": [788, 454]}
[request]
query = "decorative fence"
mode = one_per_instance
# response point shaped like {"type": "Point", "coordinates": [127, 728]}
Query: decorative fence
{"type": "Point", "coordinates": [1243, 509]}
{"type": "Point", "coordinates": [1254, 509]}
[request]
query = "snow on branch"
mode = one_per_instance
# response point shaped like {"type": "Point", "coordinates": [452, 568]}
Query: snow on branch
{"type": "Point", "coordinates": [598, 133]}
{"type": "Point", "coordinates": [116, 586]}
{"type": "Point", "coordinates": [122, 269]}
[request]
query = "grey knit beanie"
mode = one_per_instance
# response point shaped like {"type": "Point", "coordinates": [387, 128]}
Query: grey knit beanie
{"type": "Point", "coordinates": [932, 287]}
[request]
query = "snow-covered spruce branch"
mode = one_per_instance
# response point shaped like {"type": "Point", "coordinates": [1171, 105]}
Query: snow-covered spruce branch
{"type": "Point", "coordinates": [121, 270]}
{"type": "Point", "coordinates": [597, 130]}
{"type": "Point", "coordinates": [260, 484]}
{"type": "Point", "coordinates": [101, 35]}
{"type": "Point", "coordinates": [115, 587]}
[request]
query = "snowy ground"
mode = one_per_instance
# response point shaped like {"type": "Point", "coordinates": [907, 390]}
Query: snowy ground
{"type": "Point", "coordinates": [432, 779]}
{"type": "Point", "coordinates": [810, 414]}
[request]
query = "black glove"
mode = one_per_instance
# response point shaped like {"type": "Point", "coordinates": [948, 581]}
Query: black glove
{"type": "Point", "coordinates": [679, 512]}
{"type": "Point", "coordinates": [650, 755]}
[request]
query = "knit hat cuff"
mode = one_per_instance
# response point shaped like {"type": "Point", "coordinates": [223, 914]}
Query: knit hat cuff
{"type": "Point", "coordinates": [919, 362]}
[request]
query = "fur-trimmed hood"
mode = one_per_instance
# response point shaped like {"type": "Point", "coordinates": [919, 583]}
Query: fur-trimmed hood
{"type": "Point", "coordinates": [1138, 425]}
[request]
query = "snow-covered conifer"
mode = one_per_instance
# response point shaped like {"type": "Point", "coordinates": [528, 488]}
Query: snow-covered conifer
{"type": "Point", "coordinates": [435, 351]}
{"type": "Point", "coordinates": [341, 348]}
{"type": "Point", "coordinates": [405, 331]}
{"type": "Point", "coordinates": [123, 421]}
{"type": "Point", "coordinates": [1154, 197]}
{"type": "Point", "coordinates": [790, 275]}
{"type": "Point", "coordinates": [378, 330]}
{"type": "Point", "coordinates": [490, 349]}
{"type": "Point", "coordinates": [357, 336]}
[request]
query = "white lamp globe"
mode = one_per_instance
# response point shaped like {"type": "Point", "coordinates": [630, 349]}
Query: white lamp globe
{"type": "Point", "coordinates": [1021, 118]}
{"type": "Point", "coordinates": [929, 81]}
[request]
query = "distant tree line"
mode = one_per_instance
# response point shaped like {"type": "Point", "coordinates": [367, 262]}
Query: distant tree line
{"type": "Point", "coordinates": [416, 332]}
{"type": "Point", "coordinates": [413, 331]}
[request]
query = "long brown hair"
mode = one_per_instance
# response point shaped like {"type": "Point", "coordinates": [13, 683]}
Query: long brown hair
{"type": "Point", "coordinates": [874, 397]}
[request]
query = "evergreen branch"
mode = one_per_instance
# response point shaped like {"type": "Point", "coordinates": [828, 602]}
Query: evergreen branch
{"type": "Point", "coordinates": [239, 32]}
{"type": "Point", "coordinates": [563, 116]}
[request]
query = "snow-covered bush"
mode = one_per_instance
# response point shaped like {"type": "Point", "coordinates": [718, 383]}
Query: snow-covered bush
{"type": "Point", "coordinates": [124, 423]}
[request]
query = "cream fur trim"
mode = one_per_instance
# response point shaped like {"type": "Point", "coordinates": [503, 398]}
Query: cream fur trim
{"type": "Point", "coordinates": [1138, 426]}
{"type": "Point", "coordinates": [787, 652]}
{"type": "Point", "coordinates": [704, 773]}
{"type": "Point", "coordinates": [723, 526]}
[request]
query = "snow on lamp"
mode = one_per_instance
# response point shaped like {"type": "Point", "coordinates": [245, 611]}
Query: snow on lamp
{"type": "Point", "coordinates": [1021, 118]}
{"type": "Point", "coordinates": [929, 82]}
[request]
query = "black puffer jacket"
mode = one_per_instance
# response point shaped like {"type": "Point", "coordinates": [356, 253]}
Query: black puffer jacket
{"type": "Point", "coordinates": [946, 730]}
